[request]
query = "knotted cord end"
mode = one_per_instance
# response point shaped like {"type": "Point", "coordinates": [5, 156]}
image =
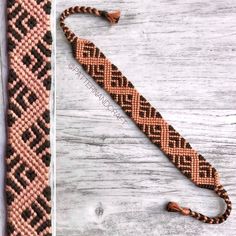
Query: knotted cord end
{"type": "Point", "coordinates": [112, 17]}
{"type": "Point", "coordinates": [174, 207]}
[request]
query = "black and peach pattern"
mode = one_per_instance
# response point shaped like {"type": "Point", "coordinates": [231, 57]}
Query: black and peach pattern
{"type": "Point", "coordinates": [28, 193]}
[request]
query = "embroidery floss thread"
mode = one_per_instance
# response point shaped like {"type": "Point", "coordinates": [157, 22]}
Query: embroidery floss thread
{"type": "Point", "coordinates": [146, 117]}
{"type": "Point", "coordinates": [28, 193]}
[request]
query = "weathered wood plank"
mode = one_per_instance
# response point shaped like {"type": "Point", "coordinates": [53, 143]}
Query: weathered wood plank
{"type": "Point", "coordinates": [122, 169]}
{"type": "Point", "coordinates": [110, 179]}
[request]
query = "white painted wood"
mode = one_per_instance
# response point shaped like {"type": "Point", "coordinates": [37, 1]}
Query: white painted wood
{"type": "Point", "coordinates": [111, 181]}
{"type": "Point", "coordinates": [53, 119]}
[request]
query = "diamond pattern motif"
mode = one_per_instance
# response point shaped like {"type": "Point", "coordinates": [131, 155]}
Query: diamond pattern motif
{"type": "Point", "coordinates": [145, 116]}
{"type": "Point", "coordinates": [28, 149]}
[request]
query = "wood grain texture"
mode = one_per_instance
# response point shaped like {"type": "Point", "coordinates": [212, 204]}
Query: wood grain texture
{"type": "Point", "coordinates": [111, 181]}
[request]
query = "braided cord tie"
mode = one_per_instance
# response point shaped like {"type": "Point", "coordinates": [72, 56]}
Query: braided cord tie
{"type": "Point", "coordinates": [146, 117]}
{"type": "Point", "coordinates": [28, 193]}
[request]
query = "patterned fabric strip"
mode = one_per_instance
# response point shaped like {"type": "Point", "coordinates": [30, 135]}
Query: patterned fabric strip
{"type": "Point", "coordinates": [28, 193]}
{"type": "Point", "coordinates": [146, 117]}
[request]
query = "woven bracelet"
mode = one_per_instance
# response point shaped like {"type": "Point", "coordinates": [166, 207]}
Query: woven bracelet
{"type": "Point", "coordinates": [28, 193]}
{"type": "Point", "coordinates": [145, 116]}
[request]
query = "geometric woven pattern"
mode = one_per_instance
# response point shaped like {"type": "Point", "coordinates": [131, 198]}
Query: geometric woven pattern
{"type": "Point", "coordinates": [144, 115]}
{"type": "Point", "coordinates": [179, 151]}
{"type": "Point", "coordinates": [28, 193]}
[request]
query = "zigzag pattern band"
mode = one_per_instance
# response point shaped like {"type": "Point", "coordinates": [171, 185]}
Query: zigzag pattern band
{"type": "Point", "coordinates": [146, 117]}
{"type": "Point", "coordinates": [28, 193]}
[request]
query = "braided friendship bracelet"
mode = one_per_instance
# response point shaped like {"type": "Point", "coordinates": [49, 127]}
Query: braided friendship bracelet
{"type": "Point", "coordinates": [146, 117]}
{"type": "Point", "coordinates": [28, 193]}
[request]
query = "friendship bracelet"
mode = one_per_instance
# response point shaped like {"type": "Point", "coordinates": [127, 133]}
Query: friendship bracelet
{"type": "Point", "coordinates": [145, 116]}
{"type": "Point", "coordinates": [28, 193]}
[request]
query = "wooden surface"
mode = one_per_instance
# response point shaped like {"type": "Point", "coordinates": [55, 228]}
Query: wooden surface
{"type": "Point", "coordinates": [111, 181]}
